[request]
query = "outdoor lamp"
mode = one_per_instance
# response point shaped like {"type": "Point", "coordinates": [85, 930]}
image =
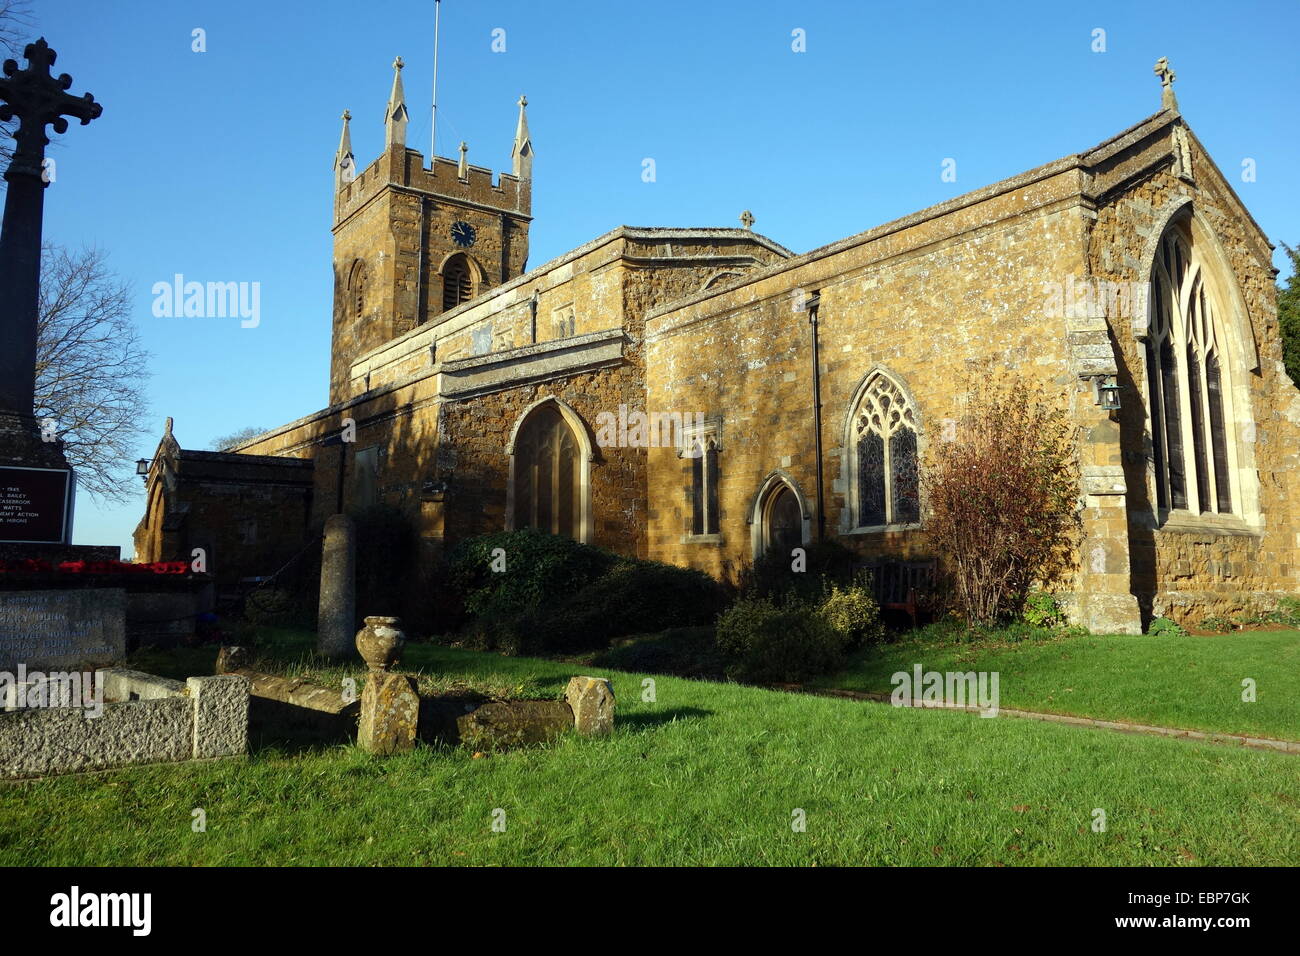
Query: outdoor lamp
{"type": "Point", "coordinates": [1108, 392]}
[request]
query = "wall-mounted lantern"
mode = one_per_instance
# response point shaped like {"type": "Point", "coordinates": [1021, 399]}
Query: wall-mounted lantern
{"type": "Point", "coordinates": [1106, 389]}
{"type": "Point", "coordinates": [142, 467]}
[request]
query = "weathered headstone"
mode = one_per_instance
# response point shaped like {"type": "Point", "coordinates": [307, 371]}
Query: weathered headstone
{"type": "Point", "coordinates": [592, 701]}
{"type": "Point", "coordinates": [390, 714]}
{"type": "Point", "coordinates": [62, 630]}
{"type": "Point", "coordinates": [336, 622]}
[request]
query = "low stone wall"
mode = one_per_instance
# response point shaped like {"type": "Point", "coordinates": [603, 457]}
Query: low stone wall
{"type": "Point", "coordinates": [144, 719]}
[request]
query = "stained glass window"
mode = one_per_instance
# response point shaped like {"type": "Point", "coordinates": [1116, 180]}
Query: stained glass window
{"type": "Point", "coordinates": [1187, 410]}
{"type": "Point", "coordinates": [886, 464]}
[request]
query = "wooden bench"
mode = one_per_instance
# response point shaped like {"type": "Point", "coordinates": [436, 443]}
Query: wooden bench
{"type": "Point", "coordinates": [901, 585]}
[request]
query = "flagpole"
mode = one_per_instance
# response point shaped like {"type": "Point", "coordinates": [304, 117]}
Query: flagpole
{"type": "Point", "coordinates": [433, 119]}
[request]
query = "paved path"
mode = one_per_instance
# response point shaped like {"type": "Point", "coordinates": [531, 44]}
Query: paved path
{"type": "Point", "coordinates": [1240, 740]}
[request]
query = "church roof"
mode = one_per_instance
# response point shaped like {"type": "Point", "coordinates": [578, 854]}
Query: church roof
{"type": "Point", "coordinates": [1087, 160]}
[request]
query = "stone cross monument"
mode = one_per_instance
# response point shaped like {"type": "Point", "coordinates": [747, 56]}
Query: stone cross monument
{"type": "Point", "coordinates": [1167, 76]}
{"type": "Point", "coordinates": [35, 481]}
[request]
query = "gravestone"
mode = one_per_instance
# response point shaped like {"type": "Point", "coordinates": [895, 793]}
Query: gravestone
{"type": "Point", "coordinates": [336, 627]}
{"type": "Point", "coordinates": [62, 630]}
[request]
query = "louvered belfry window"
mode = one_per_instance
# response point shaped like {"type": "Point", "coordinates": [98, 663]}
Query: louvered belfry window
{"type": "Point", "coordinates": [457, 283]}
{"type": "Point", "coordinates": [1187, 396]}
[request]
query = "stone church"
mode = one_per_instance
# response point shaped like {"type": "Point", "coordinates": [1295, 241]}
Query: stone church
{"type": "Point", "coordinates": [698, 395]}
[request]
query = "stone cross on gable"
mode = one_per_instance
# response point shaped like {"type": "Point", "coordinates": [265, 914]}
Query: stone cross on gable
{"type": "Point", "coordinates": [38, 100]}
{"type": "Point", "coordinates": [747, 219]}
{"type": "Point", "coordinates": [1167, 77]}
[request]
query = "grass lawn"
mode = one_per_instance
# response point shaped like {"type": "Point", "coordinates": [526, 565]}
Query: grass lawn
{"type": "Point", "coordinates": [1186, 682]}
{"type": "Point", "coordinates": [708, 774]}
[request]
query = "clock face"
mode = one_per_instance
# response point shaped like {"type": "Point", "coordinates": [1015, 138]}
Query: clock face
{"type": "Point", "coordinates": [463, 234]}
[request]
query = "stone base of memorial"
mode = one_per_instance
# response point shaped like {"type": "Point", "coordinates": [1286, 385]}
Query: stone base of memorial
{"type": "Point", "coordinates": [141, 719]}
{"type": "Point", "coordinates": [62, 629]}
{"type": "Point", "coordinates": [161, 610]}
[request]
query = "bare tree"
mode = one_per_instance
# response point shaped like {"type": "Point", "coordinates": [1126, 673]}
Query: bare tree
{"type": "Point", "coordinates": [90, 368]}
{"type": "Point", "coordinates": [236, 438]}
{"type": "Point", "coordinates": [15, 27]}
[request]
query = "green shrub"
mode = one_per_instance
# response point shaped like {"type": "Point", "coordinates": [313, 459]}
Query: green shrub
{"type": "Point", "coordinates": [1163, 627]}
{"type": "Point", "coordinates": [1287, 612]}
{"type": "Point", "coordinates": [764, 642]}
{"type": "Point", "coordinates": [680, 651]}
{"type": "Point", "coordinates": [558, 596]}
{"type": "Point", "coordinates": [633, 597]}
{"type": "Point", "coordinates": [1041, 610]}
{"type": "Point", "coordinates": [826, 563]}
{"type": "Point", "coordinates": [1218, 624]}
{"type": "Point", "coordinates": [853, 613]}
{"type": "Point", "coordinates": [538, 567]}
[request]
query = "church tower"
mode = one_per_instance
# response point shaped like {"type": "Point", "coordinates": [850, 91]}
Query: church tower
{"type": "Point", "coordinates": [411, 243]}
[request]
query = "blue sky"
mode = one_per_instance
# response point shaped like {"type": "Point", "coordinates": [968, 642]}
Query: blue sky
{"type": "Point", "coordinates": [217, 165]}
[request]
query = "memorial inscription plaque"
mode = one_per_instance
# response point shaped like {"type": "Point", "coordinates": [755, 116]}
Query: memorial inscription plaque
{"type": "Point", "coordinates": [62, 630]}
{"type": "Point", "coordinates": [35, 505]}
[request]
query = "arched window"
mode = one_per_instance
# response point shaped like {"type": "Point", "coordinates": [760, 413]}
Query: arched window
{"type": "Point", "coordinates": [782, 520]}
{"type": "Point", "coordinates": [457, 282]}
{"type": "Point", "coordinates": [884, 470]}
{"type": "Point", "coordinates": [704, 486]}
{"type": "Point", "coordinates": [1186, 387]}
{"type": "Point", "coordinates": [547, 474]}
{"type": "Point", "coordinates": [357, 290]}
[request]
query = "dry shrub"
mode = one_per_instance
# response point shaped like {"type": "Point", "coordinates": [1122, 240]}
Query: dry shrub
{"type": "Point", "coordinates": [1003, 500]}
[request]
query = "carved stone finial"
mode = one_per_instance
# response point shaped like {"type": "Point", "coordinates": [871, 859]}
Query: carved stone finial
{"type": "Point", "coordinates": [396, 118]}
{"type": "Point", "coordinates": [463, 170]}
{"type": "Point", "coordinates": [522, 155]}
{"type": "Point", "coordinates": [1167, 76]}
{"type": "Point", "coordinates": [747, 219]}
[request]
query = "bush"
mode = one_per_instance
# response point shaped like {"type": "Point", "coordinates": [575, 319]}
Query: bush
{"type": "Point", "coordinates": [558, 596]}
{"type": "Point", "coordinates": [634, 597]}
{"type": "Point", "coordinates": [537, 567]}
{"type": "Point", "coordinates": [763, 642]}
{"type": "Point", "coordinates": [681, 651]}
{"type": "Point", "coordinates": [1163, 627]}
{"type": "Point", "coordinates": [853, 614]}
{"type": "Point", "coordinates": [773, 576]}
{"type": "Point", "coordinates": [1287, 612]}
{"type": "Point", "coordinates": [1002, 501]}
{"type": "Point", "coordinates": [1041, 610]}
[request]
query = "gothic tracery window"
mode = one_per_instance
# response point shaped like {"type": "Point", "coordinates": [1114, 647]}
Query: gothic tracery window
{"type": "Point", "coordinates": [548, 474]}
{"type": "Point", "coordinates": [1186, 387]}
{"type": "Point", "coordinates": [884, 456]}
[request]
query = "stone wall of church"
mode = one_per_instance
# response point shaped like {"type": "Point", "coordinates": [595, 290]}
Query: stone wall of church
{"type": "Point", "coordinates": [937, 299]}
{"type": "Point", "coordinates": [1192, 567]}
{"type": "Point", "coordinates": [440, 438]}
